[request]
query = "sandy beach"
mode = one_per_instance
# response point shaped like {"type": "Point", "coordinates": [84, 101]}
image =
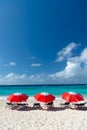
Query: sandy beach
{"type": "Point", "coordinates": [57, 119]}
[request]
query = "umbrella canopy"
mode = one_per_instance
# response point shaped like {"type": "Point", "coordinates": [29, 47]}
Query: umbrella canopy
{"type": "Point", "coordinates": [72, 97]}
{"type": "Point", "coordinates": [44, 97]}
{"type": "Point", "coordinates": [17, 97]}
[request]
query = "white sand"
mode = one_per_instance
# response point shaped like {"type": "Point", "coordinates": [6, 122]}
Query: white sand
{"type": "Point", "coordinates": [66, 119]}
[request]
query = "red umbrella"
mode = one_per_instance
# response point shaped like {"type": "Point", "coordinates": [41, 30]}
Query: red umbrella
{"type": "Point", "coordinates": [17, 97]}
{"type": "Point", "coordinates": [72, 97]}
{"type": "Point", "coordinates": [44, 97]}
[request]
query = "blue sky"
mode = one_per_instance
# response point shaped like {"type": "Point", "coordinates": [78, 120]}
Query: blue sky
{"type": "Point", "coordinates": [43, 41]}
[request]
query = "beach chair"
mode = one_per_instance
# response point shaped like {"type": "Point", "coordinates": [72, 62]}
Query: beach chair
{"type": "Point", "coordinates": [79, 105]}
{"type": "Point", "coordinates": [65, 104]}
{"type": "Point", "coordinates": [36, 105]}
{"type": "Point", "coordinates": [21, 106]}
{"type": "Point", "coordinates": [10, 105]}
{"type": "Point", "coordinates": [48, 106]}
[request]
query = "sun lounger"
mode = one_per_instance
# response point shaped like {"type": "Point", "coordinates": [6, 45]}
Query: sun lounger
{"type": "Point", "coordinates": [50, 104]}
{"type": "Point", "coordinates": [21, 106]}
{"type": "Point", "coordinates": [36, 105]}
{"type": "Point", "coordinates": [78, 105]}
{"type": "Point", "coordinates": [10, 105]}
{"type": "Point", "coordinates": [47, 106]}
{"type": "Point", "coordinates": [16, 106]}
{"type": "Point", "coordinates": [65, 104]}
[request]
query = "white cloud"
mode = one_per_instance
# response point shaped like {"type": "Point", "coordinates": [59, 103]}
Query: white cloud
{"type": "Point", "coordinates": [38, 78]}
{"type": "Point", "coordinates": [12, 63]}
{"type": "Point", "coordinates": [23, 76]}
{"type": "Point", "coordinates": [35, 65]}
{"type": "Point", "coordinates": [66, 52]}
{"type": "Point", "coordinates": [75, 70]}
{"type": "Point", "coordinates": [10, 75]}
{"type": "Point", "coordinates": [12, 78]}
{"type": "Point", "coordinates": [69, 71]}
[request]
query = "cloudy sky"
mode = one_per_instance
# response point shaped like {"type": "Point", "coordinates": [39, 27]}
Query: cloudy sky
{"type": "Point", "coordinates": [43, 41]}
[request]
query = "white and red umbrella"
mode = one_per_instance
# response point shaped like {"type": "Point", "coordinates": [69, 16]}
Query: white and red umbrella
{"type": "Point", "coordinates": [72, 97]}
{"type": "Point", "coordinates": [44, 97]}
{"type": "Point", "coordinates": [17, 97]}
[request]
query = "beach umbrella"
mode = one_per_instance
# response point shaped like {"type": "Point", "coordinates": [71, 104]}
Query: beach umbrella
{"type": "Point", "coordinates": [44, 97]}
{"type": "Point", "coordinates": [17, 97]}
{"type": "Point", "coordinates": [72, 97]}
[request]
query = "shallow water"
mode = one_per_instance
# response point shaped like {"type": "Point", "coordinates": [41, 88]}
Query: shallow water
{"type": "Point", "coordinates": [31, 90]}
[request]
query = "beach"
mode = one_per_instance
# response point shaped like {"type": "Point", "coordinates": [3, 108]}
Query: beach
{"type": "Point", "coordinates": [56, 119]}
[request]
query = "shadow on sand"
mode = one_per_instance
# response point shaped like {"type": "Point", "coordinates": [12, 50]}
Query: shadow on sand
{"type": "Point", "coordinates": [79, 108]}
{"type": "Point", "coordinates": [51, 109]}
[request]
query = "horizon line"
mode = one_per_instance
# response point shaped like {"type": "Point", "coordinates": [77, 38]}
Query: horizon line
{"type": "Point", "coordinates": [39, 84]}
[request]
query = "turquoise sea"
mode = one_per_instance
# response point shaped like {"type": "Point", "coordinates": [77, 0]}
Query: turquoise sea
{"type": "Point", "coordinates": [31, 90]}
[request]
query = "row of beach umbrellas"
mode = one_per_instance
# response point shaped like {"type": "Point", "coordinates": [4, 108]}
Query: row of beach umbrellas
{"type": "Point", "coordinates": [46, 97]}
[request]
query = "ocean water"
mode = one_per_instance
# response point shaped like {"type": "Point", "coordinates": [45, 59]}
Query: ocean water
{"type": "Point", "coordinates": [31, 90]}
